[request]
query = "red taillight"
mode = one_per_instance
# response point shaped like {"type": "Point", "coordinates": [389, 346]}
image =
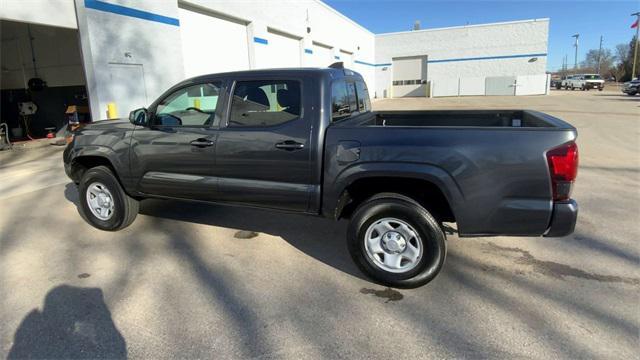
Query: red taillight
{"type": "Point", "coordinates": [563, 167]}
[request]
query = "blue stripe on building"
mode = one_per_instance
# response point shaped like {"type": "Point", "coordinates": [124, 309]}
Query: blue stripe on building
{"type": "Point", "coordinates": [127, 11]}
{"type": "Point", "coordinates": [487, 58]}
{"type": "Point", "coordinates": [308, 51]}
{"type": "Point", "coordinates": [260, 40]}
{"type": "Point", "coordinates": [464, 59]}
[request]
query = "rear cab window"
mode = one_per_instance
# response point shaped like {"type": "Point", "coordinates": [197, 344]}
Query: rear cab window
{"type": "Point", "coordinates": [349, 97]}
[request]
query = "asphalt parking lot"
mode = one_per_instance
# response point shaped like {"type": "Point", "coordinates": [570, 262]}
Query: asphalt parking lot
{"type": "Point", "coordinates": [199, 281]}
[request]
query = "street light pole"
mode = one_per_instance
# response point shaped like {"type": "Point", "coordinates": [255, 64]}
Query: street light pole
{"type": "Point", "coordinates": [600, 55]}
{"type": "Point", "coordinates": [575, 61]}
{"type": "Point", "coordinates": [635, 52]}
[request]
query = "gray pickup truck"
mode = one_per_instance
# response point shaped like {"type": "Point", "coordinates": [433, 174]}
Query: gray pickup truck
{"type": "Point", "coordinates": [306, 141]}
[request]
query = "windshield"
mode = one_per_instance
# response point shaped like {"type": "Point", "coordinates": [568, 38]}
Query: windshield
{"type": "Point", "coordinates": [592, 77]}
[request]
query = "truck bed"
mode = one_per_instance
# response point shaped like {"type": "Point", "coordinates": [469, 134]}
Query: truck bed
{"type": "Point", "coordinates": [462, 118]}
{"type": "Point", "coordinates": [490, 164]}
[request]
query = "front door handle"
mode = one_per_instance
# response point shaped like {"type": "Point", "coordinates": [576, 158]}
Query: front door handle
{"type": "Point", "coordinates": [289, 145]}
{"type": "Point", "coordinates": [201, 142]}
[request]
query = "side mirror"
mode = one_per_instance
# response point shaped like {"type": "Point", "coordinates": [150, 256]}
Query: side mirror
{"type": "Point", "coordinates": [139, 117]}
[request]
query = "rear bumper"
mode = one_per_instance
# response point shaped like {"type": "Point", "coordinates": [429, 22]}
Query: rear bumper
{"type": "Point", "coordinates": [563, 220]}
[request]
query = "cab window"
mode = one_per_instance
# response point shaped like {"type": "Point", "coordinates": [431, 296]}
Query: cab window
{"type": "Point", "coordinates": [190, 106]}
{"type": "Point", "coordinates": [265, 103]}
{"type": "Point", "coordinates": [364, 103]}
{"type": "Point", "coordinates": [348, 97]}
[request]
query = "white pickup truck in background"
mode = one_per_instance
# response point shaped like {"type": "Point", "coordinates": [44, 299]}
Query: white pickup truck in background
{"type": "Point", "coordinates": [584, 82]}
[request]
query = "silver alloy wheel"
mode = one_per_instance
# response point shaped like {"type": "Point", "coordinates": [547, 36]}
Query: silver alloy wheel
{"type": "Point", "coordinates": [393, 245]}
{"type": "Point", "coordinates": [100, 201]}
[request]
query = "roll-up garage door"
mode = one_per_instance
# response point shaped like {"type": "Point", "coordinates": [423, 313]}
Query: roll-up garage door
{"type": "Point", "coordinates": [409, 76]}
{"type": "Point", "coordinates": [283, 50]}
{"type": "Point", "coordinates": [212, 43]}
{"type": "Point", "coordinates": [322, 55]}
{"type": "Point", "coordinates": [347, 58]}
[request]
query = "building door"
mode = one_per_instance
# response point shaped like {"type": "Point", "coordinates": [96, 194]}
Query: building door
{"type": "Point", "coordinates": [282, 50]}
{"type": "Point", "coordinates": [322, 55]}
{"type": "Point", "coordinates": [347, 58]}
{"type": "Point", "coordinates": [212, 43]}
{"type": "Point", "coordinates": [127, 88]}
{"type": "Point", "coordinates": [409, 76]}
{"type": "Point", "coordinates": [500, 85]}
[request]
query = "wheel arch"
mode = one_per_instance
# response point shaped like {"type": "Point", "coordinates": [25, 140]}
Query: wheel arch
{"type": "Point", "coordinates": [422, 182]}
{"type": "Point", "coordinates": [84, 158]}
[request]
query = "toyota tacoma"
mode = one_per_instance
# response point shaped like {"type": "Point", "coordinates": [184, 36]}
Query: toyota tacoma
{"type": "Point", "coordinates": [307, 141]}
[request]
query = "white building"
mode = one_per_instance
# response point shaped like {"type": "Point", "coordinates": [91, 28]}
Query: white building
{"type": "Point", "coordinates": [128, 52]}
{"type": "Point", "coordinates": [508, 58]}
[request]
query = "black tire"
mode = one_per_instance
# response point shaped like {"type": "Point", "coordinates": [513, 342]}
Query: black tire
{"type": "Point", "coordinates": [125, 207]}
{"type": "Point", "coordinates": [397, 206]}
{"type": "Point", "coordinates": [631, 93]}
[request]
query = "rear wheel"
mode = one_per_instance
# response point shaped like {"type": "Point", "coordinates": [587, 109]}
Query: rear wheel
{"type": "Point", "coordinates": [396, 241]}
{"type": "Point", "coordinates": [103, 202]}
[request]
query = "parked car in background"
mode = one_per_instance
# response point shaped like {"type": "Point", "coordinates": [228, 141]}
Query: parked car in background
{"type": "Point", "coordinates": [306, 141]}
{"type": "Point", "coordinates": [586, 82]}
{"type": "Point", "coordinates": [566, 80]}
{"type": "Point", "coordinates": [631, 87]}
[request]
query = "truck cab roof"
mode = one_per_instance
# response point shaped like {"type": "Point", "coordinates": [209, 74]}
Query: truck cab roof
{"type": "Point", "coordinates": [328, 72]}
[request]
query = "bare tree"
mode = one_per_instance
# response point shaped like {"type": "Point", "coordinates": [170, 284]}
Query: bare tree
{"type": "Point", "coordinates": [622, 53]}
{"type": "Point", "coordinates": [603, 58]}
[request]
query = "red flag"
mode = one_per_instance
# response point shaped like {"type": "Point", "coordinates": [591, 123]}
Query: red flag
{"type": "Point", "coordinates": [635, 24]}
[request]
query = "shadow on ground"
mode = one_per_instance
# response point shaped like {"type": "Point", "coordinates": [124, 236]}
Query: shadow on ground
{"type": "Point", "coordinates": [74, 323]}
{"type": "Point", "coordinates": [320, 238]}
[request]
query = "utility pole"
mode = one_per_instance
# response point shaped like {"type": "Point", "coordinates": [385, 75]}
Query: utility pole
{"type": "Point", "coordinates": [635, 52]}
{"type": "Point", "coordinates": [600, 55]}
{"type": "Point", "coordinates": [575, 61]}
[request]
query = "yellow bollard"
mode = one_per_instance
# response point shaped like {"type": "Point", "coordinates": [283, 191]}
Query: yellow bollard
{"type": "Point", "coordinates": [196, 103]}
{"type": "Point", "coordinates": [112, 111]}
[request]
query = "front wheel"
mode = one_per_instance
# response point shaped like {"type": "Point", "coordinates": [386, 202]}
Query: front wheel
{"type": "Point", "coordinates": [396, 241]}
{"type": "Point", "coordinates": [103, 202]}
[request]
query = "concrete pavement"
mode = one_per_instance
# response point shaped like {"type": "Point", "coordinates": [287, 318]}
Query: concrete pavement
{"type": "Point", "coordinates": [192, 280]}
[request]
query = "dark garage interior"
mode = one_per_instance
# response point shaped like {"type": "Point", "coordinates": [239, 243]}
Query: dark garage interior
{"type": "Point", "coordinates": [41, 66]}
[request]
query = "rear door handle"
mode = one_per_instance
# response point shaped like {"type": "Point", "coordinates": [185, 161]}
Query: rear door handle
{"type": "Point", "coordinates": [201, 142]}
{"type": "Point", "coordinates": [289, 145]}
